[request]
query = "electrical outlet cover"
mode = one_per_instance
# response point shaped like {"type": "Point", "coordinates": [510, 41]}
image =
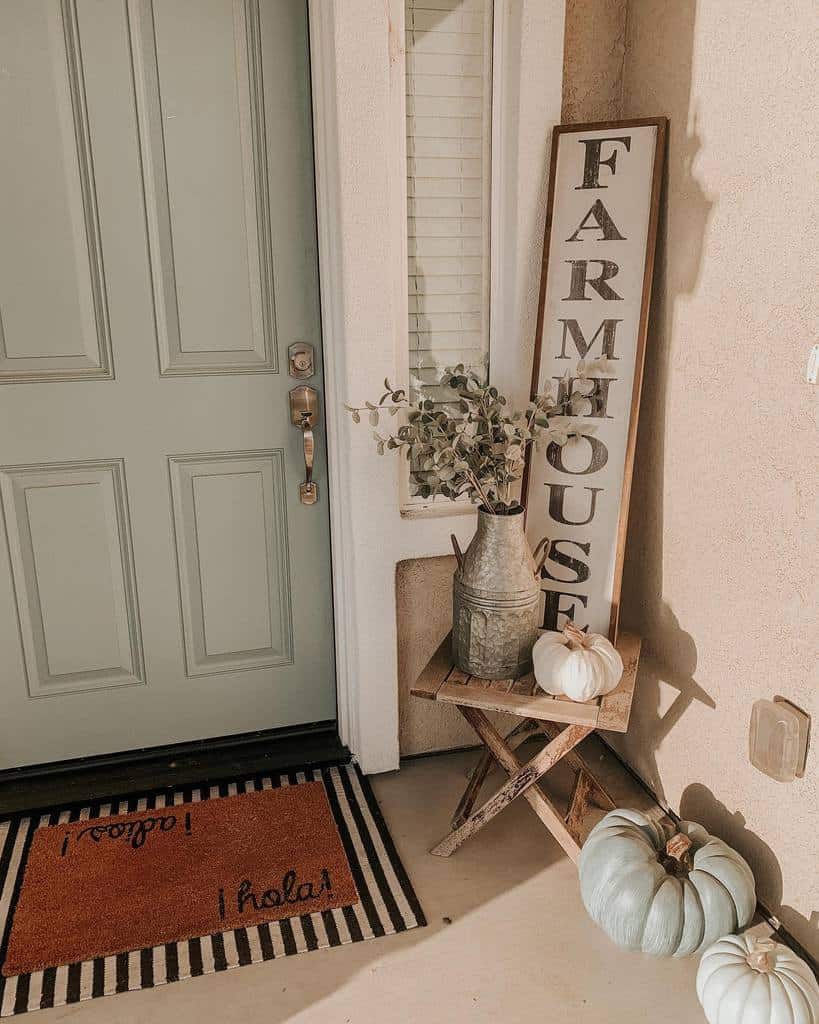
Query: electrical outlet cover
{"type": "Point", "coordinates": [778, 739]}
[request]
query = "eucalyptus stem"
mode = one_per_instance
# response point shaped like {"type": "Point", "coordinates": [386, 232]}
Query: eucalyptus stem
{"type": "Point", "coordinates": [476, 448]}
{"type": "Point", "coordinates": [477, 485]}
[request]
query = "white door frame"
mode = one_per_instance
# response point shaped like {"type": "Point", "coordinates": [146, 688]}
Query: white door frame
{"type": "Point", "coordinates": [358, 82]}
{"type": "Point", "coordinates": [330, 255]}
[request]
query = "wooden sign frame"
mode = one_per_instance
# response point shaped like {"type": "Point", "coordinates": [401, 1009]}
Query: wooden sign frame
{"type": "Point", "coordinates": [603, 161]}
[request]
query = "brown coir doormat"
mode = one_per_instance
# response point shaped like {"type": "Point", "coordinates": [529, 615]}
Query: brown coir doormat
{"type": "Point", "coordinates": [95, 888]}
{"type": "Point", "coordinates": [146, 890]}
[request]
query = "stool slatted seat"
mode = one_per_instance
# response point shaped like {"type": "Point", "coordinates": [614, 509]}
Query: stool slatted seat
{"type": "Point", "coordinates": [564, 723]}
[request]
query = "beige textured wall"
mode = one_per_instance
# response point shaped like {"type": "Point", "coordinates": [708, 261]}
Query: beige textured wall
{"type": "Point", "coordinates": [423, 601]}
{"type": "Point", "coordinates": [722, 557]}
{"type": "Point", "coordinates": [594, 53]}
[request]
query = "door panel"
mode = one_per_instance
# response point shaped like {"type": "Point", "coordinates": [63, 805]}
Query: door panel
{"type": "Point", "coordinates": [47, 204]}
{"type": "Point", "coordinates": [160, 580]}
{"type": "Point", "coordinates": [214, 295]}
{"type": "Point", "coordinates": [72, 565]}
{"type": "Point", "coordinates": [236, 604]}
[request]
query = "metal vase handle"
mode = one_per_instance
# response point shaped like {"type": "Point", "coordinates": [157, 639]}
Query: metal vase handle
{"type": "Point", "coordinates": [540, 556]}
{"type": "Point", "coordinates": [457, 548]}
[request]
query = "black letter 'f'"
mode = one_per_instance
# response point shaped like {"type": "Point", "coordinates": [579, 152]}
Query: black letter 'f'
{"type": "Point", "coordinates": [592, 163]}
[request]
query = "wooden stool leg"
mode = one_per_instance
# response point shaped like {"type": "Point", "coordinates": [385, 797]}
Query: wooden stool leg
{"type": "Point", "coordinates": [521, 780]}
{"type": "Point", "coordinates": [588, 790]}
{"type": "Point", "coordinates": [528, 727]}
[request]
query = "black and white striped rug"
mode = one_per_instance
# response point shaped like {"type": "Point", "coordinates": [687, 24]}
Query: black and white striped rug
{"type": "Point", "coordinates": [387, 904]}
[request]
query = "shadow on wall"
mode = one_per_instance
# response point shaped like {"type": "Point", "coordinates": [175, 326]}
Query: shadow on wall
{"type": "Point", "coordinates": [657, 709]}
{"type": "Point", "coordinates": [670, 653]}
{"type": "Point", "coordinates": [698, 803]}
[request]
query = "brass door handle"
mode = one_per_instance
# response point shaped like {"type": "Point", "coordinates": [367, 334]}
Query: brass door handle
{"type": "Point", "coordinates": [303, 413]}
{"type": "Point", "coordinates": [308, 491]}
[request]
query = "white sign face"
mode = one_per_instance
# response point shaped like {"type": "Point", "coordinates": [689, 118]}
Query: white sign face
{"type": "Point", "coordinates": [594, 305]}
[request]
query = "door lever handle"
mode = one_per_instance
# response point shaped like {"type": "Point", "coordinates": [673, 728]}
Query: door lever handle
{"type": "Point", "coordinates": [303, 413]}
{"type": "Point", "coordinates": [308, 492]}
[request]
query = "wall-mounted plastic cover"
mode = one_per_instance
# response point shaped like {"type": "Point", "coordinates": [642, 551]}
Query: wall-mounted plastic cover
{"type": "Point", "coordinates": [778, 740]}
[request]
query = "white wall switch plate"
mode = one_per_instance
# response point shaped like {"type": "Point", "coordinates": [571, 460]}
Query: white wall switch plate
{"type": "Point", "coordinates": [778, 739]}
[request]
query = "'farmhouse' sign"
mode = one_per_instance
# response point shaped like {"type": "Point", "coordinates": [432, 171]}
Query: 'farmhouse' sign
{"type": "Point", "coordinates": [597, 265]}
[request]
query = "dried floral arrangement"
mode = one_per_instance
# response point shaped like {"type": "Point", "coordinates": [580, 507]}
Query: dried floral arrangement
{"type": "Point", "coordinates": [472, 444]}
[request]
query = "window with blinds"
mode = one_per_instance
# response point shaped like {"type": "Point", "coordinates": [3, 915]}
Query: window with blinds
{"type": "Point", "coordinates": [449, 77]}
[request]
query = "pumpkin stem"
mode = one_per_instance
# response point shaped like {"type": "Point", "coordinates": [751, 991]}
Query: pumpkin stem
{"type": "Point", "coordinates": [762, 956]}
{"type": "Point", "coordinates": [676, 858]}
{"type": "Point", "coordinates": [574, 635]}
{"type": "Point", "coordinates": [678, 846]}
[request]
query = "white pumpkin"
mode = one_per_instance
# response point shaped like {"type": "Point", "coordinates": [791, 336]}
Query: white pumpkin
{"type": "Point", "coordinates": [668, 898]}
{"type": "Point", "coordinates": [575, 664]}
{"type": "Point", "coordinates": [746, 980]}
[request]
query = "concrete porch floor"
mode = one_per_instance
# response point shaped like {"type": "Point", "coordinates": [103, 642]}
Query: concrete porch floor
{"type": "Point", "coordinates": [508, 941]}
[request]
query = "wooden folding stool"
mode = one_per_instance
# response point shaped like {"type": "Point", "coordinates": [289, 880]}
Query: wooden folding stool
{"type": "Point", "coordinates": [564, 723]}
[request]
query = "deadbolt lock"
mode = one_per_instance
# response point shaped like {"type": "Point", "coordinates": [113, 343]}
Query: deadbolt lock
{"type": "Point", "coordinates": [302, 360]}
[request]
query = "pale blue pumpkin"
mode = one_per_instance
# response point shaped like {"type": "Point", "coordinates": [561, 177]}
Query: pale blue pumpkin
{"type": "Point", "coordinates": [645, 898]}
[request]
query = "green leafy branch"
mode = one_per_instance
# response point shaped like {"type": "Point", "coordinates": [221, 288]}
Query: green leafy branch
{"type": "Point", "coordinates": [471, 445]}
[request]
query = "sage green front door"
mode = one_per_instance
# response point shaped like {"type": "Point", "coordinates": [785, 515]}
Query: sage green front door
{"type": "Point", "coordinates": [160, 578]}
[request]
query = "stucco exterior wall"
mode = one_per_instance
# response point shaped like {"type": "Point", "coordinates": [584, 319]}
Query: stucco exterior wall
{"type": "Point", "coordinates": [722, 560]}
{"type": "Point", "coordinates": [423, 597]}
{"type": "Point", "coordinates": [594, 55]}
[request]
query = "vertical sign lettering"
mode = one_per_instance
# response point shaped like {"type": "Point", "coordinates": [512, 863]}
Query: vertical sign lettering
{"type": "Point", "coordinates": [599, 248]}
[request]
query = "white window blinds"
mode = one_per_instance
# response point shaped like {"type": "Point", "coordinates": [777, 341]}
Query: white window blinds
{"type": "Point", "coordinates": [449, 74]}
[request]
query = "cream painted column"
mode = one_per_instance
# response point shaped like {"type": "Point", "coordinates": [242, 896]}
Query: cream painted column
{"type": "Point", "coordinates": [359, 88]}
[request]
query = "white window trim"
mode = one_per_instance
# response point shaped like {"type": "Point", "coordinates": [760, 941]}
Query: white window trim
{"type": "Point", "coordinates": [358, 73]}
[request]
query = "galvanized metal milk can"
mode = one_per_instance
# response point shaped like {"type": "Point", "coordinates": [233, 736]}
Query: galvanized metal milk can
{"type": "Point", "coordinates": [495, 600]}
